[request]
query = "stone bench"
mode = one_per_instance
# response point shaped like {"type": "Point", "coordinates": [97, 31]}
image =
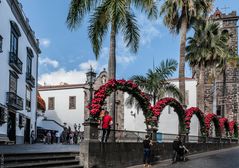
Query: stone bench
{"type": "Point", "coordinates": [5, 140]}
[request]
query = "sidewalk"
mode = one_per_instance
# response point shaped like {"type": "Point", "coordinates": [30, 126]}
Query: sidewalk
{"type": "Point", "coordinates": [167, 163]}
{"type": "Point", "coordinates": [38, 148]}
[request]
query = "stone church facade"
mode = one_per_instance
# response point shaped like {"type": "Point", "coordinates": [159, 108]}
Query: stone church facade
{"type": "Point", "coordinates": [221, 94]}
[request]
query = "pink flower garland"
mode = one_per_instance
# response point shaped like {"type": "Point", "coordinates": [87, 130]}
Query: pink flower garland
{"type": "Point", "coordinates": [208, 120]}
{"type": "Point", "coordinates": [151, 113]}
{"type": "Point", "coordinates": [189, 113]}
{"type": "Point", "coordinates": [162, 103]}
{"type": "Point", "coordinates": [232, 125]}
{"type": "Point", "coordinates": [222, 122]}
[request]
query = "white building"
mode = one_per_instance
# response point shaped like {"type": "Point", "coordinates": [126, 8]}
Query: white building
{"type": "Point", "coordinates": [19, 52]}
{"type": "Point", "coordinates": [168, 122]}
{"type": "Point", "coordinates": [64, 104]}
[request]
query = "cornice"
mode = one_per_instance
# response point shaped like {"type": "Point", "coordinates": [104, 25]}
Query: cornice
{"type": "Point", "coordinates": [24, 23]}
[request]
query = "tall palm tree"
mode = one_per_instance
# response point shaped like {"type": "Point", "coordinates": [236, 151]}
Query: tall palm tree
{"type": "Point", "coordinates": [116, 15]}
{"type": "Point", "coordinates": [156, 84]}
{"type": "Point", "coordinates": [207, 48]}
{"type": "Point", "coordinates": [178, 17]}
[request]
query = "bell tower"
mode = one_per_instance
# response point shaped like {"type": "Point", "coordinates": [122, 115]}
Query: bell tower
{"type": "Point", "coordinates": [221, 94]}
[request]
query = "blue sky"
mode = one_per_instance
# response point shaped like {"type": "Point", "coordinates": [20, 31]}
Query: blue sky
{"type": "Point", "coordinates": [66, 55]}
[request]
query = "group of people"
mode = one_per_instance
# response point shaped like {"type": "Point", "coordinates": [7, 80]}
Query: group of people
{"type": "Point", "coordinates": [71, 137]}
{"type": "Point", "coordinates": [179, 150]}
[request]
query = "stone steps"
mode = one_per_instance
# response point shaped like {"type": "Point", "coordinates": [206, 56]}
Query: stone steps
{"type": "Point", "coordinates": [41, 160]}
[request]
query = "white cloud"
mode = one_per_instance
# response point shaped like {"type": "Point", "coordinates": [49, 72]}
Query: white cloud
{"type": "Point", "coordinates": [125, 59]}
{"type": "Point", "coordinates": [45, 42]}
{"type": "Point", "coordinates": [85, 66]}
{"type": "Point", "coordinates": [47, 61]}
{"type": "Point", "coordinates": [149, 29]}
{"type": "Point", "coordinates": [61, 75]}
{"type": "Point", "coordinates": [74, 76]}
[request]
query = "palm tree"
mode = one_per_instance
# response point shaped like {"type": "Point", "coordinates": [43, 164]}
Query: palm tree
{"type": "Point", "coordinates": [116, 15]}
{"type": "Point", "coordinates": [179, 15]}
{"type": "Point", "coordinates": [156, 84]}
{"type": "Point", "coordinates": [207, 48]}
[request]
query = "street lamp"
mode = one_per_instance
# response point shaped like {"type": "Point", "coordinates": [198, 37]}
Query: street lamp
{"type": "Point", "coordinates": [90, 79]}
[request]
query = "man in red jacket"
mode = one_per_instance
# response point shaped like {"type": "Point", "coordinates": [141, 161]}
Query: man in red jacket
{"type": "Point", "coordinates": [106, 123]}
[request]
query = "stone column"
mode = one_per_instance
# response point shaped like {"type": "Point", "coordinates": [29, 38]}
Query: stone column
{"type": "Point", "coordinates": [90, 138]}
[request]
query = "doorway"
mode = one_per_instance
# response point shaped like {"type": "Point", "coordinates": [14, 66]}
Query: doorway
{"type": "Point", "coordinates": [11, 126]}
{"type": "Point", "coordinates": [27, 131]}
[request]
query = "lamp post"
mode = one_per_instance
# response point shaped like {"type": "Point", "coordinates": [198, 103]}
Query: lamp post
{"type": "Point", "coordinates": [90, 79]}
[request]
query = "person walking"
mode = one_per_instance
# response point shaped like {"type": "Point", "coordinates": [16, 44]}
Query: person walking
{"type": "Point", "coordinates": [106, 125]}
{"type": "Point", "coordinates": [147, 150]}
{"type": "Point", "coordinates": [32, 137]}
{"type": "Point", "coordinates": [177, 143]}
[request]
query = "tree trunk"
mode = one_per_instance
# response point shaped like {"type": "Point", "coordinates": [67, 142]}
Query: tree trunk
{"type": "Point", "coordinates": [224, 90]}
{"type": "Point", "coordinates": [183, 35]}
{"type": "Point", "coordinates": [112, 75]}
{"type": "Point", "coordinates": [200, 89]}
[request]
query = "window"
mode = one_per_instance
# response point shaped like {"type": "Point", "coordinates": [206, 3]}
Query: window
{"type": "Point", "coordinates": [28, 99]}
{"type": "Point", "coordinates": [72, 102]}
{"type": "Point", "coordinates": [3, 115]}
{"type": "Point", "coordinates": [13, 82]}
{"type": "Point", "coordinates": [51, 103]}
{"type": "Point", "coordinates": [29, 61]}
{"type": "Point", "coordinates": [14, 43]}
{"type": "Point", "coordinates": [15, 34]}
{"type": "Point", "coordinates": [1, 43]}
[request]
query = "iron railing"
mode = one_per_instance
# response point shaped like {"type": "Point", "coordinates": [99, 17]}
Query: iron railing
{"type": "Point", "coordinates": [15, 62]}
{"type": "Point", "coordinates": [14, 101]}
{"type": "Point", "coordinates": [30, 79]}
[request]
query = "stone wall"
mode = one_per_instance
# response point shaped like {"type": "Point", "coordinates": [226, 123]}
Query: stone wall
{"type": "Point", "coordinates": [119, 155]}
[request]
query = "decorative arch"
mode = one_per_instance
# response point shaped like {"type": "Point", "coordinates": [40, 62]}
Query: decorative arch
{"type": "Point", "coordinates": [212, 118]}
{"type": "Point", "coordinates": [224, 124]}
{"type": "Point", "coordinates": [233, 126]}
{"type": "Point", "coordinates": [188, 116]}
{"type": "Point", "coordinates": [126, 86]}
{"type": "Point", "coordinates": [178, 108]}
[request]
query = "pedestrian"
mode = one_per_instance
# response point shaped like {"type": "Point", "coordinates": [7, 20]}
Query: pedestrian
{"type": "Point", "coordinates": [71, 140]}
{"type": "Point", "coordinates": [32, 137]}
{"type": "Point", "coordinates": [48, 137]}
{"type": "Point", "coordinates": [106, 125]}
{"type": "Point", "coordinates": [57, 137]}
{"type": "Point", "coordinates": [147, 150]}
{"type": "Point", "coordinates": [177, 143]}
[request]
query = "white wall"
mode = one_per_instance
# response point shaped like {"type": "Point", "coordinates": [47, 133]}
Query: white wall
{"type": "Point", "coordinates": [5, 28]}
{"type": "Point", "coordinates": [62, 113]}
{"type": "Point", "coordinates": [168, 122]}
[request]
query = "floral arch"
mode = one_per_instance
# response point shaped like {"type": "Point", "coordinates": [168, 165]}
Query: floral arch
{"type": "Point", "coordinates": [224, 125]}
{"type": "Point", "coordinates": [233, 126]}
{"type": "Point", "coordinates": [178, 108]}
{"type": "Point", "coordinates": [188, 116]}
{"type": "Point", "coordinates": [126, 86]}
{"type": "Point", "coordinates": [212, 118]}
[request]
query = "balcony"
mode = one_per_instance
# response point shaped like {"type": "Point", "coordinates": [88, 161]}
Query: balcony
{"type": "Point", "coordinates": [15, 62]}
{"type": "Point", "coordinates": [30, 79]}
{"type": "Point", "coordinates": [14, 101]}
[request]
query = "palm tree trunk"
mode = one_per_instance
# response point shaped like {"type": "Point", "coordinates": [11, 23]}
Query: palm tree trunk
{"type": "Point", "coordinates": [224, 91]}
{"type": "Point", "coordinates": [112, 56]}
{"type": "Point", "coordinates": [183, 35]}
{"type": "Point", "coordinates": [200, 89]}
{"type": "Point", "coordinates": [112, 74]}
